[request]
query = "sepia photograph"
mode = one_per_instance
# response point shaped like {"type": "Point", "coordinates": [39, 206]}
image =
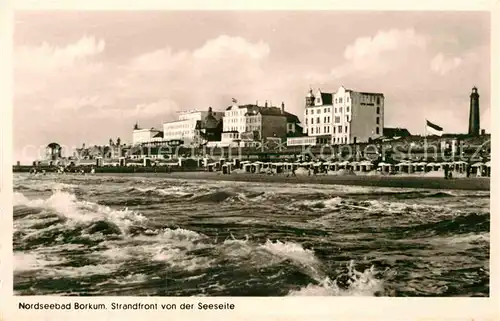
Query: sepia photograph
{"type": "Point", "coordinates": [251, 153]}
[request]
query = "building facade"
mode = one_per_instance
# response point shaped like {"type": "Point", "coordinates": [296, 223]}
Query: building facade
{"type": "Point", "coordinates": [145, 135]}
{"type": "Point", "coordinates": [244, 125]}
{"type": "Point", "coordinates": [346, 116]}
{"type": "Point", "coordinates": [187, 127]}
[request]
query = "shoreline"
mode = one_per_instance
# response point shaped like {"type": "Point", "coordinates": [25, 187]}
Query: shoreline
{"type": "Point", "coordinates": [471, 183]}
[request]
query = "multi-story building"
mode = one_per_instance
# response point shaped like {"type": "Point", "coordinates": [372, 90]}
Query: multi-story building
{"type": "Point", "coordinates": [346, 116]}
{"type": "Point", "coordinates": [246, 124]}
{"type": "Point", "coordinates": [318, 115]}
{"type": "Point", "coordinates": [187, 127]}
{"type": "Point", "coordinates": [145, 135]}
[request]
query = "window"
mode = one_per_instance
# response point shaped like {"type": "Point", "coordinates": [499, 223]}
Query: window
{"type": "Point", "coordinates": [328, 118]}
{"type": "Point", "coordinates": [378, 120]}
{"type": "Point", "coordinates": [378, 100]}
{"type": "Point", "coordinates": [334, 129]}
{"type": "Point", "coordinates": [324, 110]}
{"type": "Point", "coordinates": [317, 120]}
{"type": "Point", "coordinates": [340, 109]}
{"type": "Point", "coordinates": [312, 111]}
{"type": "Point", "coordinates": [318, 100]}
{"type": "Point", "coordinates": [337, 119]}
{"type": "Point", "coordinates": [378, 110]}
{"type": "Point", "coordinates": [335, 110]}
{"type": "Point", "coordinates": [346, 129]}
{"type": "Point", "coordinates": [306, 121]}
{"type": "Point", "coordinates": [335, 100]}
{"type": "Point", "coordinates": [347, 109]}
{"type": "Point", "coordinates": [312, 120]}
{"type": "Point", "coordinates": [340, 129]}
{"type": "Point", "coordinates": [324, 120]}
{"type": "Point", "coordinates": [340, 100]}
{"type": "Point", "coordinates": [378, 131]}
{"type": "Point", "coordinates": [306, 111]}
{"type": "Point", "coordinates": [347, 99]}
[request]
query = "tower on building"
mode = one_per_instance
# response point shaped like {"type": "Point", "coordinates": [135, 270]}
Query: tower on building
{"type": "Point", "coordinates": [474, 126]}
{"type": "Point", "coordinates": [310, 99]}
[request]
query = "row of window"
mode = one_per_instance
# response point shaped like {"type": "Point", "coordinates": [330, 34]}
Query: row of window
{"type": "Point", "coordinates": [240, 112]}
{"type": "Point", "coordinates": [178, 133]}
{"type": "Point", "coordinates": [234, 120]}
{"type": "Point", "coordinates": [180, 125]}
{"type": "Point", "coordinates": [370, 98]}
{"type": "Point", "coordinates": [326, 120]}
{"type": "Point", "coordinates": [339, 140]}
{"type": "Point", "coordinates": [252, 128]}
{"type": "Point", "coordinates": [253, 120]}
{"type": "Point", "coordinates": [326, 129]}
{"type": "Point", "coordinates": [327, 110]}
{"type": "Point", "coordinates": [318, 111]}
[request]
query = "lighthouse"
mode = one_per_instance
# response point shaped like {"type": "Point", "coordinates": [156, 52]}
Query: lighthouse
{"type": "Point", "coordinates": [474, 113]}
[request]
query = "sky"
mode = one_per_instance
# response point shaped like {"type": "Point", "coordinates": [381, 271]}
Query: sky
{"type": "Point", "coordinates": [88, 76]}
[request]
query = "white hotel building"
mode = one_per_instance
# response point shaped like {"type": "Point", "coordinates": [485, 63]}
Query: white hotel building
{"type": "Point", "coordinates": [344, 117]}
{"type": "Point", "coordinates": [184, 128]}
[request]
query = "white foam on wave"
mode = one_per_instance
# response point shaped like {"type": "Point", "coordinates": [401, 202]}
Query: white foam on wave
{"type": "Point", "coordinates": [32, 261]}
{"type": "Point", "coordinates": [171, 246]}
{"type": "Point", "coordinates": [319, 205]}
{"type": "Point", "coordinates": [66, 204]}
{"type": "Point", "coordinates": [180, 259]}
{"type": "Point", "coordinates": [82, 271]}
{"type": "Point", "coordinates": [292, 251]}
{"type": "Point", "coordinates": [360, 284]}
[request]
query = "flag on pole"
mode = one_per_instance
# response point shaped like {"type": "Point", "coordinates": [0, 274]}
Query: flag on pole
{"type": "Point", "coordinates": [434, 129]}
{"type": "Point", "coordinates": [235, 101]}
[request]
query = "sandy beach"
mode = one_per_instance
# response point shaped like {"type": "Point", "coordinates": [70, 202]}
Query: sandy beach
{"type": "Point", "coordinates": [472, 183]}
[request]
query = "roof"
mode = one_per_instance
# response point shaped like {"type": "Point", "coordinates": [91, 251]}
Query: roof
{"type": "Point", "coordinates": [291, 118]}
{"type": "Point", "coordinates": [53, 145]}
{"type": "Point", "coordinates": [211, 122]}
{"type": "Point", "coordinates": [159, 134]}
{"type": "Point", "coordinates": [242, 106]}
{"type": "Point", "coordinates": [327, 98]}
{"type": "Point", "coordinates": [271, 111]}
{"type": "Point", "coordinates": [392, 132]}
{"type": "Point", "coordinates": [367, 93]}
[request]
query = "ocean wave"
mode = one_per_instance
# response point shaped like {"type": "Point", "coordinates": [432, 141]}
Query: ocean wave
{"type": "Point", "coordinates": [370, 282]}
{"type": "Point", "coordinates": [62, 218]}
{"type": "Point", "coordinates": [468, 223]}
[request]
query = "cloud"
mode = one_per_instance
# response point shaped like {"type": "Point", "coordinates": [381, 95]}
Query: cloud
{"type": "Point", "coordinates": [50, 69]}
{"type": "Point", "coordinates": [442, 65]}
{"type": "Point", "coordinates": [383, 41]}
{"type": "Point", "coordinates": [223, 66]}
{"type": "Point", "coordinates": [48, 58]}
{"type": "Point", "coordinates": [229, 47]}
{"type": "Point", "coordinates": [404, 64]}
{"type": "Point", "coordinates": [162, 107]}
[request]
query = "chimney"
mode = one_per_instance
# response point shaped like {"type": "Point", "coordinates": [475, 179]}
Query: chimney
{"type": "Point", "coordinates": [282, 106]}
{"type": "Point", "coordinates": [265, 105]}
